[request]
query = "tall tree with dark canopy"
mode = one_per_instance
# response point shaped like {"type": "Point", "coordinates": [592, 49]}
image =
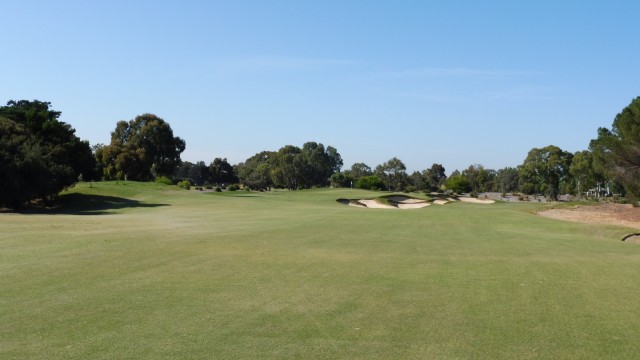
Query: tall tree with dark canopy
{"type": "Point", "coordinates": [287, 168]}
{"type": "Point", "coordinates": [319, 163]}
{"type": "Point", "coordinates": [617, 151]}
{"type": "Point", "coordinates": [255, 172]}
{"type": "Point", "coordinates": [434, 177]}
{"type": "Point", "coordinates": [507, 179]}
{"type": "Point", "coordinates": [221, 172]}
{"type": "Point", "coordinates": [544, 169]}
{"type": "Point", "coordinates": [359, 170]}
{"type": "Point", "coordinates": [142, 149]}
{"type": "Point", "coordinates": [393, 173]}
{"type": "Point", "coordinates": [39, 155]}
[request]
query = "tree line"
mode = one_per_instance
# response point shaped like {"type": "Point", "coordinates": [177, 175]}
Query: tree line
{"type": "Point", "coordinates": [40, 156]}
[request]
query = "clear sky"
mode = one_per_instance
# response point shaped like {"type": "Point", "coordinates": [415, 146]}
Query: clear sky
{"type": "Point", "coordinates": [450, 82]}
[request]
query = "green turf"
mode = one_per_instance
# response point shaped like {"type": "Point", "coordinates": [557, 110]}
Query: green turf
{"type": "Point", "coordinates": [135, 270]}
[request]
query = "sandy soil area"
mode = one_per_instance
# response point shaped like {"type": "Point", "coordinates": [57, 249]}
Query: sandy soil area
{"type": "Point", "coordinates": [613, 214]}
{"type": "Point", "coordinates": [372, 204]}
{"type": "Point", "coordinates": [406, 202]}
{"type": "Point", "coordinates": [476, 201]}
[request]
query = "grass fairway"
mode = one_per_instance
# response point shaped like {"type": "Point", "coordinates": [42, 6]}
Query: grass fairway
{"type": "Point", "coordinates": [135, 270]}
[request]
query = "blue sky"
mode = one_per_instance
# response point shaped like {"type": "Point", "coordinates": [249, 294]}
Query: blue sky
{"type": "Point", "coordinates": [450, 82]}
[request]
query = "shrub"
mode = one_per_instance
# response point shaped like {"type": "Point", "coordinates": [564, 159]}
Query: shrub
{"type": "Point", "coordinates": [185, 184]}
{"type": "Point", "coordinates": [233, 187]}
{"type": "Point", "coordinates": [164, 180]}
{"type": "Point", "coordinates": [198, 188]}
{"type": "Point", "coordinates": [458, 183]}
{"type": "Point", "coordinates": [208, 187]}
{"type": "Point", "coordinates": [369, 183]}
{"type": "Point", "coordinates": [218, 189]}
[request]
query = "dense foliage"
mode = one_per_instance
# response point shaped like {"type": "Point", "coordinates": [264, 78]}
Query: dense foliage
{"type": "Point", "coordinates": [617, 151]}
{"type": "Point", "coordinates": [39, 155]}
{"type": "Point", "coordinates": [544, 170]}
{"type": "Point", "coordinates": [141, 149]}
{"type": "Point", "coordinates": [219, 172]}
{"type": "Point", "coordinates": [290, 167]}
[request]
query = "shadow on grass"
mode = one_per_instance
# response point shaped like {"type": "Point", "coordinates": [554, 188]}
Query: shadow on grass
{"type": "Point", "coordinates": [86, 204]}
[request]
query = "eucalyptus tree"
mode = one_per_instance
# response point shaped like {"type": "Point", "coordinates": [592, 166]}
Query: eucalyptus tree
{"type": "Point", "coordinates": [617, 151]}
{"type": "Point", "coordinates": [393, 173]}
{"type": "Point", "coordinates": [544, 169]}
{"type": "Point", "coordinates": [141, 149]}
{"type": "Point", "coordinates": [39, 154]}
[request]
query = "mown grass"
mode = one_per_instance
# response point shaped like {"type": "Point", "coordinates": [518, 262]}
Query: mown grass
{"type": "Point", "coordinates": [148, 271]}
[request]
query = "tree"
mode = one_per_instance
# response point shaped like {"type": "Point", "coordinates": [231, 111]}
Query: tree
{"type": "Point", "coordinates": [417, 181]}
{"type": "Point", "coordinates": [221, 172]}
{"type": "Point", "coordinates": [583, 171]}
{"type": "Point", "coordinates": [142, 149]}
{"type": "Point", "coordinates": [295, 168]}
{"type": "Point", "coordinates": [458, 183]}
{"type": "Point", "coordinates": [480, 178]}
{"type": "Point", "coordinates": [617, 151]}
{"type": "Point", "coordinates": [182, 172]}
{"type": "Point", "coordinates": [287, 168]}
{"type": "Point", "coordinates": [255, 172]}
{"type": "Point", "coordinates": [507, 180]}
{"type": "Point", "coordinates": [340, 179]}
{"type": "Point", "coordinates": [39, 155]}
{"type": "Point", "coordinates": [317, 165]}
{"type": "Point", "coordinates": [434, 177]}
{"type": "Point", "coordinates": [335, 160]}
{"type": "Point", "coordinates": [198, 173]}
{"type": "Point", "coordinates": [544, 169]}
{"type": "Point", "coordinates": [359, 170]}
{"type": "Point", "coordinates": [393, 173]}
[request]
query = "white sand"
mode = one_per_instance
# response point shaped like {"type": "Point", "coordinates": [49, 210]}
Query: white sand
{"type": "Point", "coordinates": [406, 200]}
{"type": "Point", "coordinates": [372, 204]}
{"type": "Point", "coordinates": [477, 201]}
{"type": "Point", "coordinates": [414, 205]}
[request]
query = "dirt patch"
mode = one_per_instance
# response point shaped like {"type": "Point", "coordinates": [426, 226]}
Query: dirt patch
{"type": "Point", "coordinates": [611, 214]}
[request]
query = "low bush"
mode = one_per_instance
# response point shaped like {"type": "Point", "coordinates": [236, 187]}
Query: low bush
{"type": "Point", "coordinates": [185, 184]}
{"type": "Point", "coordinates": [198, 188]}
{"type": "Point", "coordinates": [164, 180]}
{"type": "Point", "coordinates": [218, 189]}
{"type": "Point", "coordinates": [233, 187]}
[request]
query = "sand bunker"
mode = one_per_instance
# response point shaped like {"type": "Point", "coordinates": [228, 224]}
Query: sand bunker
{"type": "Point", "coordinates": [406, 202]}
{"type": "Point", "coordinates": [413, 206]}
{"type": "Point", "coordinates": [476, 201]}
{"type": "Point", "coordinates": [373, 204]}
{"type": "Point", "coordinates": [632, 238]}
